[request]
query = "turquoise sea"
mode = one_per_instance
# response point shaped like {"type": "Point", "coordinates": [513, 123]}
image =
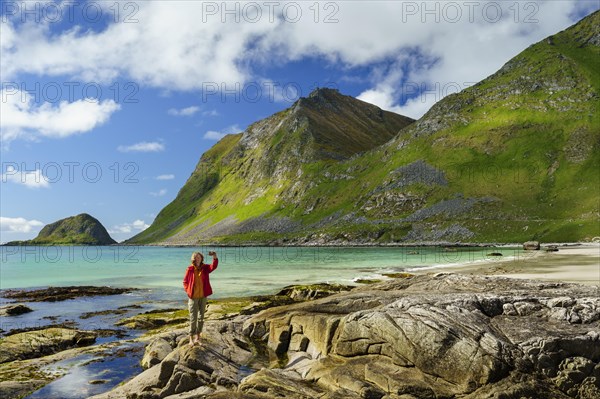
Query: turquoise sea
{"type": "Point", "coordinates": [157, 273]}
{"type": "Point", "coordinates": [242, 270]}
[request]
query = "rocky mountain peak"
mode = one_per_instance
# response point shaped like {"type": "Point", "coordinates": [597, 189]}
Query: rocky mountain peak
{"type": "Point", "coordinates": [320, 99]}
{"type": "Point", "coordinates": [322, 92]}
{"type": "Point", "coordinates": [324, 95]}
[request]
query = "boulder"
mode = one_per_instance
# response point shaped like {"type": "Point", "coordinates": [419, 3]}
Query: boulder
{"type": "Point", "coordinates": [155, 352]}
{"type": "Point", "coordinates": [14, 309]}
{"type": "Point", "coordinates": [531, 245]}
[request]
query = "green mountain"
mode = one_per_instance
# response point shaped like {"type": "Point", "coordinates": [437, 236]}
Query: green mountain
{"type": "Point", "coordinates": [82, 229]}
{"type": "Point", "coordinates": [513, 158]}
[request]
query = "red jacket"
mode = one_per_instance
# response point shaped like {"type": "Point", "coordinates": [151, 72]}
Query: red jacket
{"type": "Point", "coordinates": [188, 279]}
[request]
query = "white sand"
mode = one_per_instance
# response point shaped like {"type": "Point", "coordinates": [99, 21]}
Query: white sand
{"type": "Point", "coordinates": [572, 263]}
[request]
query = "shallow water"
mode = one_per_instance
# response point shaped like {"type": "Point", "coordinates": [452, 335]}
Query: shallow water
{"type": "Point", "coordinates": [110, 370]}
{"type": "Point", "coordinates": [242, 270]}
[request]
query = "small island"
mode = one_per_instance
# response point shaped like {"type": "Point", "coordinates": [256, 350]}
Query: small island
{"type": "Point", "coordinates": [82, 229]}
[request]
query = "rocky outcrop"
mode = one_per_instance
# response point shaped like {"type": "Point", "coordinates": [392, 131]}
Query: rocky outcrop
{"type": "Point", "coordinates": [432, 336]}
{"type": "Point", "coordinates": [55, 294]}
{"type": "Point", "coordinates": [314, 291]}
{"type": "Point", "coordinates": [19, 389]}
{"type": "Point", "coordinates": [154, 319]}
{"type": "Point", "coordinates": [32, 344]}
{"type": "Point", "coordinates": [14, 309]}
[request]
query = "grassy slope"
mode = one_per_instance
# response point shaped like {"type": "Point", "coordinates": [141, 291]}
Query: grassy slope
{"type": "Point", "coordinates": [208, 177]}
{"type": "Point", "coordinates": [528, 137]}
{"type": "Point", "coordinates": [511, 142]}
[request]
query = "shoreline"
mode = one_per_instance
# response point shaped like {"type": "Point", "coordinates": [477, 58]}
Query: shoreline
{"type": "Point", "coordinates": [441, 244]}
{"type": "Point", "coordinates": [579, 263]}
{"type": "Point", "coordinates": [573, 262]}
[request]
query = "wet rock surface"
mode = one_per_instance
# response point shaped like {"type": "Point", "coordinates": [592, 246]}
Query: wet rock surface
{"type": "Point", "coordinates": [32, 344]}
{"type": "Point", "coordinates": [433, 336]}
{"type": "Point", "coordinates": [14, 309]}
{"type": "Point", "coordinates": [155, 319]}
{"type": "Point", "coordinates": [55, 294]}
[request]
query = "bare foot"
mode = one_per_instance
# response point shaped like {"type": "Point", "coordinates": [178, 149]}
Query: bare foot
{"type": "Point", "coordinates": [197, 340]}
{"type": "Point", "coordinates": [191, 341]}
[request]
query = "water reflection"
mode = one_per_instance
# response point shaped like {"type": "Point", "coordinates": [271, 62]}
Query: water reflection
{"type": "Point", "coordinates": [91, 375]}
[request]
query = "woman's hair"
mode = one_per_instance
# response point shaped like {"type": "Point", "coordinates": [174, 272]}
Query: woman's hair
{"type": "Point", "coordinates": [194, 257]}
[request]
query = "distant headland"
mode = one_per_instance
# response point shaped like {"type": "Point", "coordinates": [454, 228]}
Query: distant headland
{"type": "Point", "coordinates": [82, 229]}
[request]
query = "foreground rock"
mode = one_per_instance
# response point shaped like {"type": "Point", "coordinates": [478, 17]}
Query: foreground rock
{"type": "Point", "coordinates": [441, 336]}
{"type": "Point", "coordinates": [156, 352]}
{"type": "Point", "coordinates": [55, 294]}
{"type": "Point", "coordinates": [28, 345]}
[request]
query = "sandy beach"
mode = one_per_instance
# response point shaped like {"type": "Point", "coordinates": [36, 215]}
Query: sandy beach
{"type": "Point", "coordinates": [572, 263]}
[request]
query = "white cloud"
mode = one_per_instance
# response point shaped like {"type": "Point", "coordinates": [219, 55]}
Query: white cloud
{"type": "Point", "coordinates": [218, 135]}
{"type": "Point", "coordinates": [149, 51]}
{"type": "Point", "coordinates": [214, 135]}
{"type": "Point", "coordinates": [125, 228]}
{"type": "Point", "coordinates": [140, 225]}
{"type": "Point", "coordinates": [21, 118]}
{"type": "Point", "coordinates": [30, 179]}
{"type": "Point", "coordinates": [205, 53]}
{"type": "Point", "coordinates": [453, 57]}
{"type": "Point", "coordinates": [159, 193]}
{"type": "Point", "coordinates": [19, 225]}
{"type": "Point", "coordinates": [189, 111]}
{"type": "Point", "coordinates": [143, 146]}
{"type": "Point", "coordinates": [165, 177]}
{"type": "Point", "coordinates": [212, 112]}
{"type": "Point", "coordinates": [385, 95]}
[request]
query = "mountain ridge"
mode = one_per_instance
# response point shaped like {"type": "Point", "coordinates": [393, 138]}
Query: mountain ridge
{"type": "Point", "coordinates": [260, 159]}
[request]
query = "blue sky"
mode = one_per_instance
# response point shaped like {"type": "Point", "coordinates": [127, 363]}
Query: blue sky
{"type": "Point", "coordinates": [107, 107]}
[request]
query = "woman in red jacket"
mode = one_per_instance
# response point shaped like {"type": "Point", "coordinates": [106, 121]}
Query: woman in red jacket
{"type": "Point", "coordinates": [197, 286]}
